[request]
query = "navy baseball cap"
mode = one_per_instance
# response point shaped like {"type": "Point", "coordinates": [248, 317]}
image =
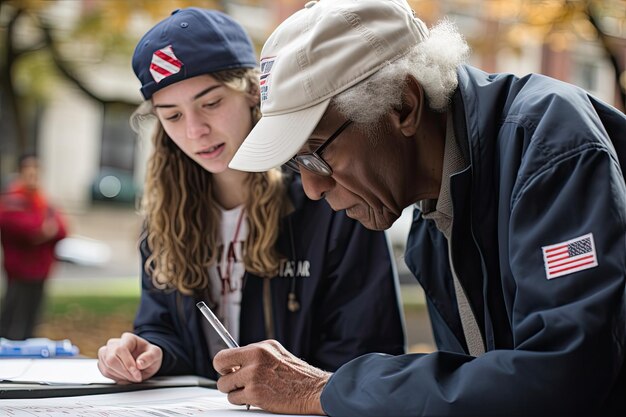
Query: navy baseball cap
{"type": "Point", "coordinates": [188, 43]}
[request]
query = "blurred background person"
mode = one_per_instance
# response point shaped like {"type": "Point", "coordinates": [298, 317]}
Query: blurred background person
{"type": "Point", "coordinates": [269, 262]}
{"type": "Point", "coordinates": [29, 230]}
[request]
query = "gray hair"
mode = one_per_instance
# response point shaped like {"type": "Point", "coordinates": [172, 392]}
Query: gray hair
{"type": "Point", "coordinates": [432, 62]}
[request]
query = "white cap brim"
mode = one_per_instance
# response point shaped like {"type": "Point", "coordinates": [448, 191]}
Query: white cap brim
{"type": "Point", "coordinates": [276, 138]}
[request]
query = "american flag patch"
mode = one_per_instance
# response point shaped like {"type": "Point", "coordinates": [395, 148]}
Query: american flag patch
{"type": "Point", "coordinates": [571, 256]}
{"type": "Point", "coordinates": [164, 63]}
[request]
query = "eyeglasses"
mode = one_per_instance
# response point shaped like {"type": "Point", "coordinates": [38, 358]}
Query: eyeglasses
{"type": "Point", "coordinates": [313, 161]}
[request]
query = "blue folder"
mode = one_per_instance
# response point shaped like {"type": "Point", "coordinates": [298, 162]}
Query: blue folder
{"type": "Point", "coordinates": [37, 347]}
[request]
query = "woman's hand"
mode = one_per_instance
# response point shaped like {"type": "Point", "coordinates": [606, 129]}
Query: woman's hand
{"type": "Point", "coordinates": [129, 359]}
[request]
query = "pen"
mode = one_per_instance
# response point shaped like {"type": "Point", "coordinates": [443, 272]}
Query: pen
{"type": "Point", "coordinates": [217, 325]}
{"type": "Point", "coordinates": [219, 328]}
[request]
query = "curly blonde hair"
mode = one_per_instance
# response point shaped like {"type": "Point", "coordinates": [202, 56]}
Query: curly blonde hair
{"type": "Point", "coordinates": [183, 218]}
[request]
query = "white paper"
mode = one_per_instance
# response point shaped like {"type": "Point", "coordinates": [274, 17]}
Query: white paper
{"type": "Point", "coordinates": [52, 371]}
{"type": "Point", "coordinates": [161, 402]}
{"type": "Point", "coordinates": [10, 368]}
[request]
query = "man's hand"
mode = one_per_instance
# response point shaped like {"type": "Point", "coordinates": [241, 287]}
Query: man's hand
{"type": "Point", "coordinates": [129, 359]}
{"type": "Point", "coordinates": [271, 378]}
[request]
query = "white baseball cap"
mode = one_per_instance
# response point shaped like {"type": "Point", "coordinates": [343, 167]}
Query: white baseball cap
{"type": "Point", "coordinates": [315, 54]}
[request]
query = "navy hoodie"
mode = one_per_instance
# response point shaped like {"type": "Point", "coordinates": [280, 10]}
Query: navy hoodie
{"type": "Point", "coordinates": [545, 175]}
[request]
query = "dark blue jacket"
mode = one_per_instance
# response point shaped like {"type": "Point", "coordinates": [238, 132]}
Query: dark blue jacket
{"type": "Point", "coordinates": [544, 168]}
{"type": "Point", "coordinates": [349, 305]}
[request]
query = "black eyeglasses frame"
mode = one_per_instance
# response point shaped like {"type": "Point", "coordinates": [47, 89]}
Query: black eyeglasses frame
{"type": "Point", "coordinates": [313, 161]}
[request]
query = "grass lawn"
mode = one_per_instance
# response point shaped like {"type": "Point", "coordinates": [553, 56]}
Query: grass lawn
{"type": "Point", "coordinates": [88, 320]}
{"type": "Point", "coordinates": [89, 312]}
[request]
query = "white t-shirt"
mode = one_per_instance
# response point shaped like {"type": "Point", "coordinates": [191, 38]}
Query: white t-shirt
{"type": "Point", "coordinates": [227, 276]}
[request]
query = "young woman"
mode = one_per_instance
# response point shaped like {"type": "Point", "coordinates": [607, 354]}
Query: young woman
{"type": "Point", "coordinates": [268, 261]}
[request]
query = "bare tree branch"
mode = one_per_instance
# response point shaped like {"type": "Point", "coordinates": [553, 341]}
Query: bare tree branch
{"type": "Point", "coordinates": [65, 69]}
{"type": "Point", "coordinates": [604, 40]}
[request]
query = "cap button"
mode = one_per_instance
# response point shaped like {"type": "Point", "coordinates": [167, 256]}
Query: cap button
{"type": "Point", "coordinates": [310, 4]}
{"type": "Point", "coordinates": [175, 11]}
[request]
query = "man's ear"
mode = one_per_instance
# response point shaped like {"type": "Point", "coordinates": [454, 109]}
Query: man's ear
{"type": "Point", "coordinates": [407, 118]}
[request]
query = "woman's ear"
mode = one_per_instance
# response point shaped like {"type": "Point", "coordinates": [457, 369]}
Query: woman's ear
{"type": "Point", "coordinates": [407, 118]}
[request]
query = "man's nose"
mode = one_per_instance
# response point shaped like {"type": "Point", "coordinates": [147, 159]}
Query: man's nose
{"type": "Point", "coordinates": [315, 186]}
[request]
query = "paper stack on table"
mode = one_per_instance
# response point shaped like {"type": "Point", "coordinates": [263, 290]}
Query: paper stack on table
{"type": "Point", "coordinates": [52, 371]}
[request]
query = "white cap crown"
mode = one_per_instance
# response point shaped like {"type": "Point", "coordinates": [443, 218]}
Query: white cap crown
{"type": "Point", "coordinates": [315, 54]}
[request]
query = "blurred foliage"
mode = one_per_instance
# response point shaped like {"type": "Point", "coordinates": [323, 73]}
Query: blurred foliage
{"type": "Point", "coordinates": [108, 29]}
{"type": "Point", "coordinates": [42, 41]}
{"type": "Point", "coordinates": [107, 23]}
{"type": "Point", "coordinates": [32, 75]}
{"type": "Point", "coordinates": [105, 30]}
{"type": "Point", "coordinates": [521, 21]}
{"type": "Point", "coordinates": [45, 42]}
{"type": "Point", "coordinates": [97, 31]}
{"type": "Point", "coordinates": [558, 24]}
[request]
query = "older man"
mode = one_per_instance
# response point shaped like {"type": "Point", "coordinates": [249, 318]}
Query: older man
{"type": "Point", "coordinates": [519, 239]}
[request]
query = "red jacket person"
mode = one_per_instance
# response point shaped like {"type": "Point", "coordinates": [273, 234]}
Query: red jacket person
{"type": "Point", "coordinates": [29, 229]}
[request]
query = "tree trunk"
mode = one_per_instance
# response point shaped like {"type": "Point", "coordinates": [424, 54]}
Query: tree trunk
{"type": "Point", "coordinates": [14, 136]}
{"type": "Point", "coordinates": [613, 58]}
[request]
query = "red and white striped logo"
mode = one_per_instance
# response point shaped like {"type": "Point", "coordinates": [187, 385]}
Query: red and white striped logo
{"type": "Point", "coordinates": [570, 256]}
{"type": "Point", "coordinates": [264, 80]}
{"type": "Point", "coordinates": [164, 63]}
